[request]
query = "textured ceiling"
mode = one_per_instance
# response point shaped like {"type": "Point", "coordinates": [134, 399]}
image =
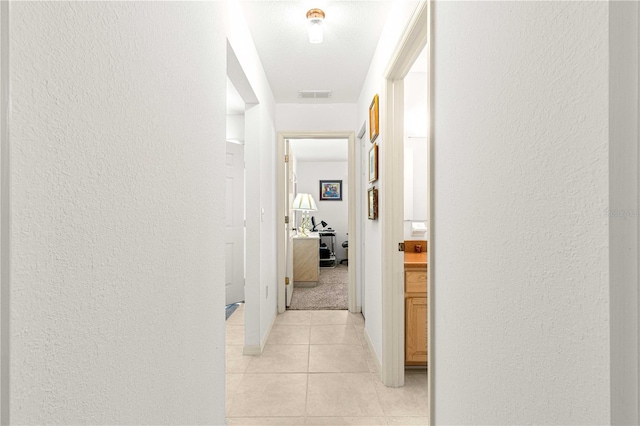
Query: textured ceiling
{"type": "Point", "coordinates": [339, 64]}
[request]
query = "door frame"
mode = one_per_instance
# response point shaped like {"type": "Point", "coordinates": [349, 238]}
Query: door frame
{"type": "Point", "coordinates": [361, 202]}
{"type": "Point", "coordinates": [353, 238]}
{"type": "Point", "coordinates": [411, 44]}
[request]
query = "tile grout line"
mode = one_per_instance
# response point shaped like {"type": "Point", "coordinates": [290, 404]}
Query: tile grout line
{"type": "Point", "coordinates": [375, 388]}
{"type": "Point", "coordinates": [306, 395]}
{"type": "Point", "coordinates": [385, 417]}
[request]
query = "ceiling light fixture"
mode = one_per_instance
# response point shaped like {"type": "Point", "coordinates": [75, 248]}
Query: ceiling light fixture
{"type": "Point", "coordinates": [315, 18]}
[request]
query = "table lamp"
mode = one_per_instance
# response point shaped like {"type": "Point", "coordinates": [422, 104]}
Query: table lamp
{"type": "Point", "coordinates": [304, 203]}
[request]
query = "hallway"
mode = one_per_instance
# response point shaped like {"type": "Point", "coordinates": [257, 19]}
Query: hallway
{"type": "Point", "coordinates": [316, 369]}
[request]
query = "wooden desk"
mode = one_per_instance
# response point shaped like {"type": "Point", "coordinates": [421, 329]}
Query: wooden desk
{"type": "Point", "coordinates": [306, 262]}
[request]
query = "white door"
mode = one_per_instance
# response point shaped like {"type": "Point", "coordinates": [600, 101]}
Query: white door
{"type": "Point", "coordinates": [289, 193]}
{"type": "Point", "coordinates": [234, 223]}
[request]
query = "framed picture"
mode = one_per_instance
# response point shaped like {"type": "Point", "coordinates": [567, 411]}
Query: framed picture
{"type": "Point", "coordinates": [373, 163]}
{"type": "Point", "coordinates": [372, 203]}
{"type": "Point", "coordinates": [373, 119]}
{"type": "Point", "coordinates": [330, 190]}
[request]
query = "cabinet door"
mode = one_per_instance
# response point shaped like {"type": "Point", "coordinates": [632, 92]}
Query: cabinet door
{"type": "Point", "coordinates": [305, 259]}
{"type": "Point", "coordinates": [416, 331]}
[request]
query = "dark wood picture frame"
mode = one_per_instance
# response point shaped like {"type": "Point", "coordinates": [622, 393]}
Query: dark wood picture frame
{"type": "Point", "coordinates": [374, 117]}
{"type": "Point", "coordinates": [330, 190]}
{"type": "Point", "coordinates": [372, 203]}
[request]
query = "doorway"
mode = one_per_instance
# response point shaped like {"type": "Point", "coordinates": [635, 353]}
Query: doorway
{"type": "Point", "coordinates": [243, 119]}
{"type": "Point", "coordinates": [319, 168]}
{"type": "Point", "coordinates": [286, 216]}
{"type": "Point", "coordinates": [362, 162]}
{"type": "Point", "coordinates": [416, 217]}
{"type": "Point", "coordinates": [409, 48]}
{"type": "Point", "coordinates": [235, 218]}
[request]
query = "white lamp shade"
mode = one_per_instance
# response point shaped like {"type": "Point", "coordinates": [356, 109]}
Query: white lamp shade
{"type": "Point", "coordinates": [304, 202]}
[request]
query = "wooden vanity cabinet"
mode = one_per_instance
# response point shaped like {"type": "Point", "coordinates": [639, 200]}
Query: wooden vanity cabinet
{"type": "Point", "coordinates": [415, 326]}
{"type": "Point", "coordinates": [415, 279]}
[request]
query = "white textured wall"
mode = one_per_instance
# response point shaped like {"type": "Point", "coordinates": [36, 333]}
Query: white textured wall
{"type": "Point", "coordinates": [316, 117]}
{"type": "Point", "coordinates": [335, 213]}
{"type": "Point", "coordinates": [235, 127]}
{"type": "Point", "coordinates": [268, 239]}
{"type": "Point", "coordinates": [623, 211]}
{"type": "Point", "coordinates": [252, 288]}
{"type": "Point", "coordinates": [521, 242]}
{"type": "Point", "coordinates": [416, 114]}
{"type": "Point", "coordinates": [416, 185]}
{"type": "Point", "coordinates": [4, 213]}
{"type": "Point", "coordinates": [117, 142]}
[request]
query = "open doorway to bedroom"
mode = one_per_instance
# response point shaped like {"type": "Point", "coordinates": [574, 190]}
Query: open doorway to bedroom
{"type": "Point", "coordinates": [320, 236]}
{"type": "Point", "coordinates": [316, 221]}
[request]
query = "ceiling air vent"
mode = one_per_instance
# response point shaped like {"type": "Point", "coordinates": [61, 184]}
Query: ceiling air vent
{"type": "Point", "coordinates": [314, 94]}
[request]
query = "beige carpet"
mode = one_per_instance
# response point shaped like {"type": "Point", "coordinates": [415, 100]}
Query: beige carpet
{"type": "Point", "coordinates": [330, 293]}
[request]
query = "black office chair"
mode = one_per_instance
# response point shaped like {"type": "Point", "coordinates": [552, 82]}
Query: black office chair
{"type": "Point", "coordinates": [345, 245]}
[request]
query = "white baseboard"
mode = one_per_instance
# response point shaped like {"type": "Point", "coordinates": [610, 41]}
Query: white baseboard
{"type": "Point", "coordinates": [257, 349]}
{"type": "Point", "coordinates": [373, 352]}
{"type": "Point", "coordinates": [251, 350]}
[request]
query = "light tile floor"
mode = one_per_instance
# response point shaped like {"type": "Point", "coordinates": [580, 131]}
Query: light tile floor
{"type": "Point", "coordinates": [316, 369]}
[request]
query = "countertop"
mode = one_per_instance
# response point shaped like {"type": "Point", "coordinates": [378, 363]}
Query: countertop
{"type": "Point", "coordinates": [310, 235]}
{"type": "Point", "coordinates": [415, 260]}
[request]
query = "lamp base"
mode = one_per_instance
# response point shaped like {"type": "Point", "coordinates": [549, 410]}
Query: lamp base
{"type": "Point", "coordinates": [304, 226]}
